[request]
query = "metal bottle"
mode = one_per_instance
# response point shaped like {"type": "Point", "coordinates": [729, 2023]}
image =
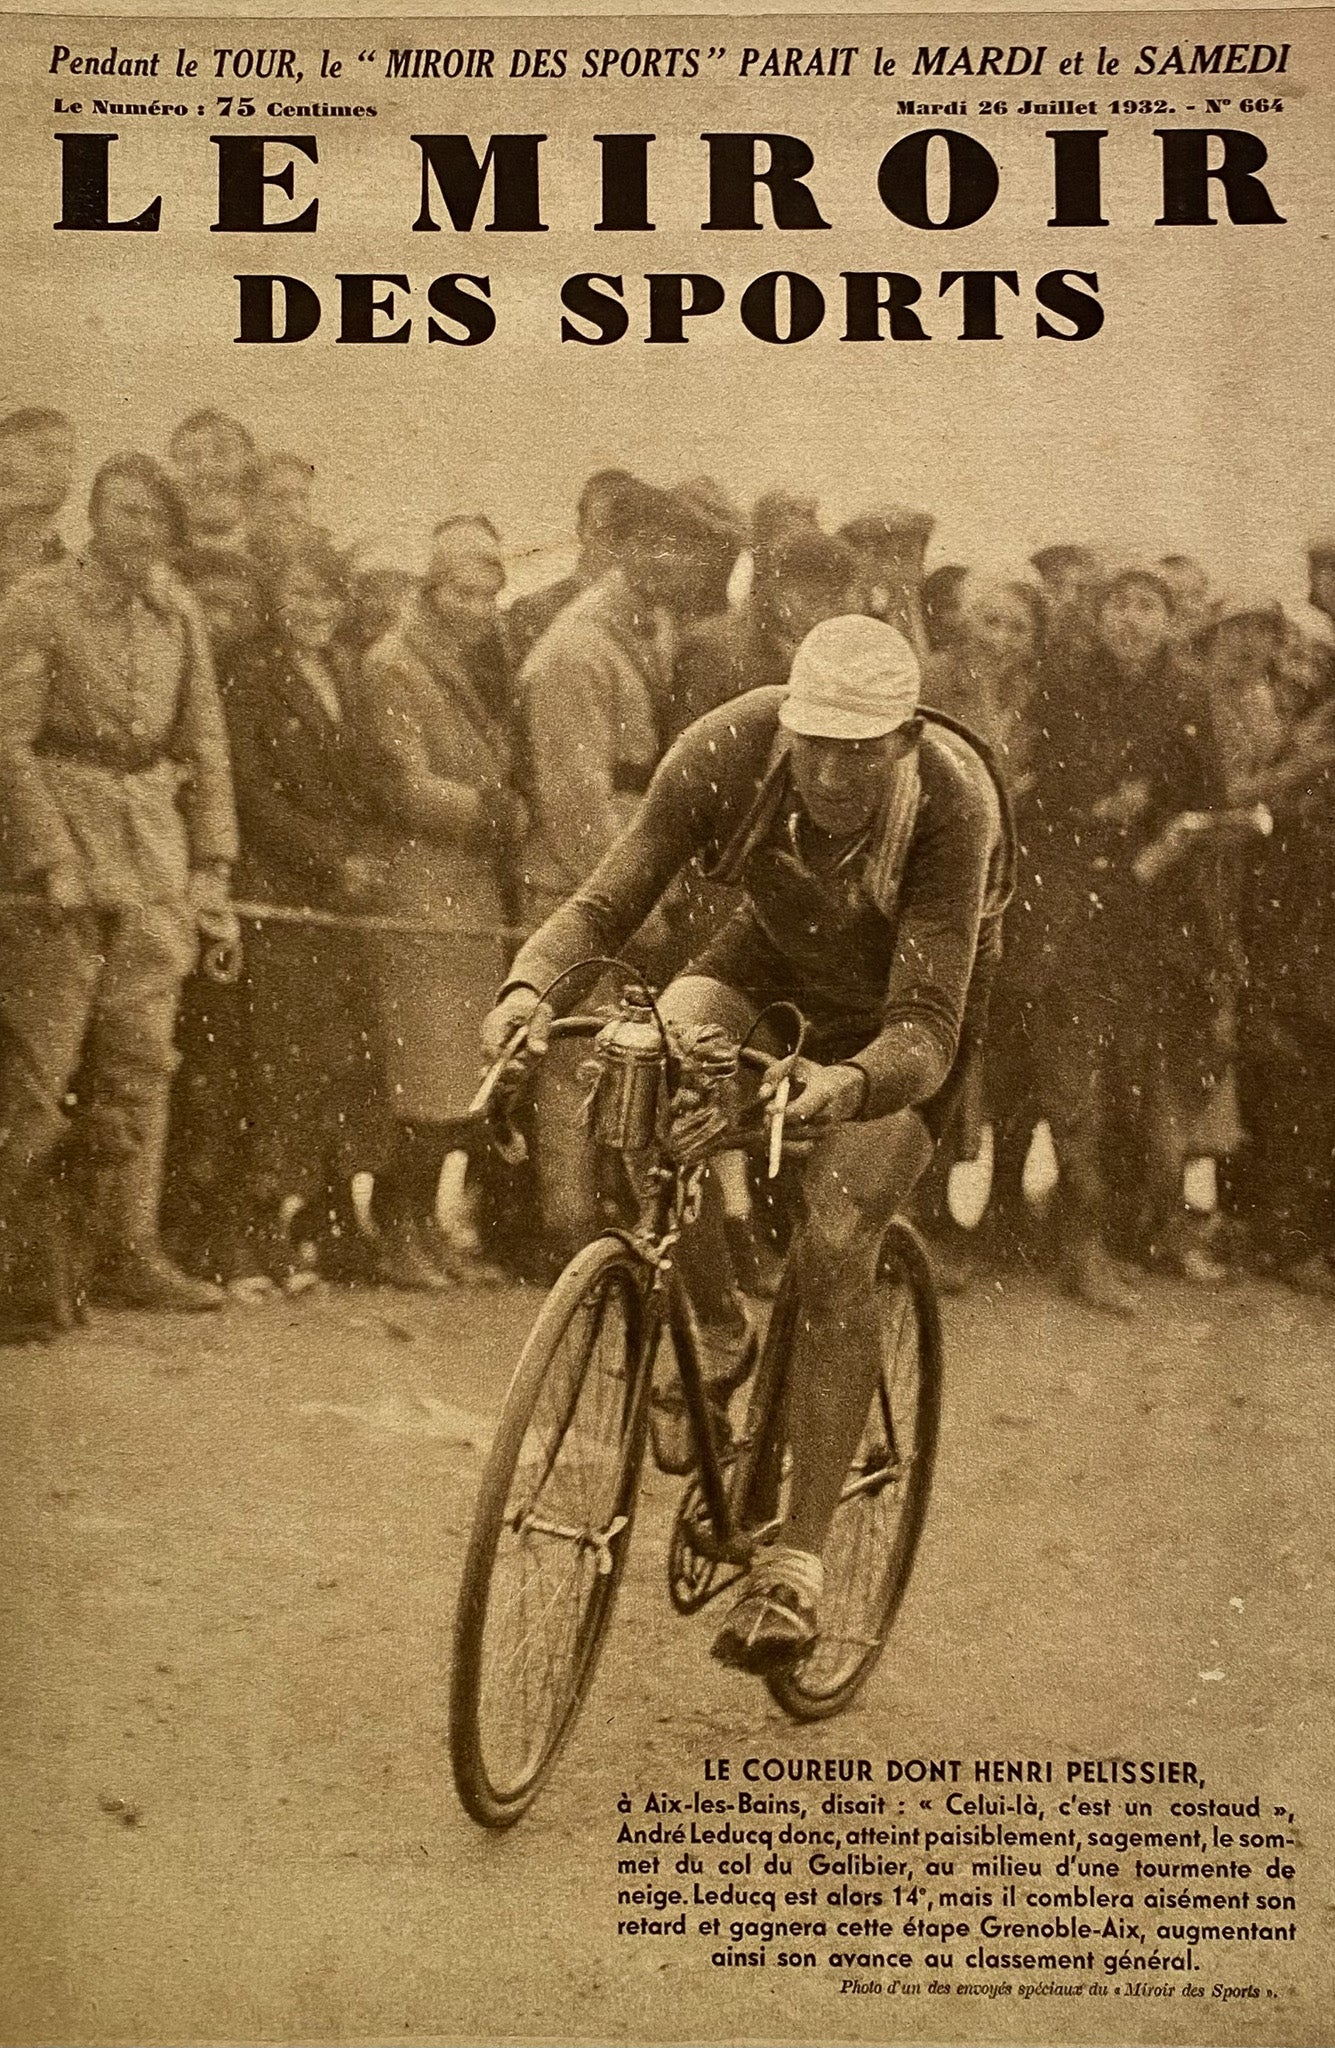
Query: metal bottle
{"type": "Point", "coordinates": [629, 1050]}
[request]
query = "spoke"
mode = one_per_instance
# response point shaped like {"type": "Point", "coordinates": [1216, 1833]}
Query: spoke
{"type": "Point", "coordinates": [558, 1542]}
{"type": "Point", "coordinates": [532, 1638]}
{"type": "Point", "coordinates": [596, 1540]}
{"type": "Point", "coordinates": [860, 1553]}
{"type": "Point", "coordinates": [876, 1481]}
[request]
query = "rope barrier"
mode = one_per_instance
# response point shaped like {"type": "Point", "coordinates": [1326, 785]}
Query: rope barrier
{"type": "Point", "coordinates": [257, 912]}
{"type": "Point", "coordinates": [370, 921]}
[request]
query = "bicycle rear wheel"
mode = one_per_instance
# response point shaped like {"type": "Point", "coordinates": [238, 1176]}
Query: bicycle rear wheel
{"type": "Point", "coordinates": [550, 1534]}
{"type": "Point", "coordinates": [873, 1539]}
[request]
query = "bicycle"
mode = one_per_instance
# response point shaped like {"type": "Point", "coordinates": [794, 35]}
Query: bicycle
{"type": "Point", "coordinates": [556, 1507]}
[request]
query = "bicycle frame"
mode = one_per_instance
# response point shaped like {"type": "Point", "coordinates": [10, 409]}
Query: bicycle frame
{"type": "Point", "coordinates": [667, 1196]}
{"type": "Point", "coordinates": [732, 1535]}
{"type": "Point", "coordinates": [622, 1293]}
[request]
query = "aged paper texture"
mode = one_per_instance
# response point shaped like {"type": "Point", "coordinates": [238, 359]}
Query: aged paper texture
{"type": "Point", "coordinates": [1044, 298]}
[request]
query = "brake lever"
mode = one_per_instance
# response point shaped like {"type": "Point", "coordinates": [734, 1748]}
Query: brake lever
{"type": "Point", "coordinates": [510, 1143]}
{"type": "Point", "coordinates": [777, 1111]}
{"type": "Point", "coordinates": [492, 1079]}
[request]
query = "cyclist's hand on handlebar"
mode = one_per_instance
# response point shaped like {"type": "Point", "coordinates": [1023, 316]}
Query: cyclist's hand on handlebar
{"type": "Point", "coordinates": [518, 1009]}
{"type": "Point", "coordinates": [817, 1095]}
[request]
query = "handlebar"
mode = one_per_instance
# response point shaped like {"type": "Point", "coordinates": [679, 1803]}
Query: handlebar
{"type": "Point", "coordinates": [561, 1027]}
{"type": "Point", "coordinates": [587, 1027]}
{"type": "Point", "coordinates": [741, 1139]}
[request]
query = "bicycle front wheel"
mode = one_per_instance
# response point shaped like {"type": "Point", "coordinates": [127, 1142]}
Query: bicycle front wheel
{"type": "Point", "coordinates": [873, 1539]}
{"type": "Point", "coordinates": [550, 1534]}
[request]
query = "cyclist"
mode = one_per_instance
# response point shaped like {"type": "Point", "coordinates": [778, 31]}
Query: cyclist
{"type": "Point", "coordinates": [872, 852]}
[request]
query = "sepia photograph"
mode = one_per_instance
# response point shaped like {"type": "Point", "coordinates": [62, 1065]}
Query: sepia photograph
{"type": "Point", "coordinates": [667, 1078]}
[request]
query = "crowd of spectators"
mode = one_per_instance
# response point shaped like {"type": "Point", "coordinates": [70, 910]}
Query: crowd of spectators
{"type": "Point", "coordinates": [207, 708]}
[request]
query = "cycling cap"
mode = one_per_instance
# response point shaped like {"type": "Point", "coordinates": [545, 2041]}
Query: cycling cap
{"type": "Point", "coordinates": [853, 678]}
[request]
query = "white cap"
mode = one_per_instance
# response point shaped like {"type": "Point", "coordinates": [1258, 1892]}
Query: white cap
{"type": "Point", "coordinates": [853, 678]}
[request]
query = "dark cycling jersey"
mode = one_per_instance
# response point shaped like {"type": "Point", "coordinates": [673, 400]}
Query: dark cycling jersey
{"type": "Point", "coordinates": [899, 991]}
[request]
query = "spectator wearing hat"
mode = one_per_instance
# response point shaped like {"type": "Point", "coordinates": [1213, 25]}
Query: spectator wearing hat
{"type": "Point", "coordinates": [798, 580]}
{"type": "Point", "coordinates": [986, 676]}
{"type": "Point", "coordinates": [36, 469]}
{"type": "Point", "coordinates": [383, 576]}
{"type": "Point", "coordinates": [712, 535]}
{"type": "Point", "coordinates": [212, 458]}
{"type": "Point", "coordinates": [466, 553]}
{"type": "Point", "coordinates": [776, 514]}
{"type": "Point", "coordinates": [596, 693]}
{"type": "Point", "coordinates": [891, 547]}
{"type": "Point", "coordinates": [1307, 659]}
{"type": "Point", "coordinates": [940, 597]}
{"type": "Point", "coordinates": [1071, 574]}
{"type": "Point", "coordinates": [528, 618]}
{"type": "Point", "coordinates": [1321, 574]}
{"type": "Point", "coordinates": [1072, 577]}
{"type": "Point", "coordinates": [1128, 974]}
{"type": "Point", "coordinates": [1239, 653]}
{"type": "Point", "coordinates": [441, 759]}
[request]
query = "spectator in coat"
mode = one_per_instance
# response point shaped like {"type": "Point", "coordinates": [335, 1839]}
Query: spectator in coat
{"type": "Point", "coordinates": [1277, 750]}
{"type": "Point", "coordinates": [596, 694]}
{"type": "Point", "coordinates": [986, 679]}
{"type": "Point", "coordinates": [116, 809]}
{"type": "Point", "coordinates": [595, 531]}
{"type": "Point", "coordinates": [317, 1098]}
{"type": "Point", "coordinates": [1125, 971]}
{"type": "Point", "coordinates": [466, 602]}
{"type": "Point", "coordinates": [452, 827]}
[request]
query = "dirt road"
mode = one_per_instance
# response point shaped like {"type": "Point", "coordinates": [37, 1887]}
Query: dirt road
{"type": "Point", "coordinates": [231, 1549]}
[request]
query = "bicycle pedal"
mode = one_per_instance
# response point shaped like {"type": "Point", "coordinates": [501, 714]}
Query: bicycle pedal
{"type": "Point", "coordinates": [765, 1632]}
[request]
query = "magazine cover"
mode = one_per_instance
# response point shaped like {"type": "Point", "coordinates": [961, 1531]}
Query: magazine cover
{"type": "Point", "coordinates": [667, 948]}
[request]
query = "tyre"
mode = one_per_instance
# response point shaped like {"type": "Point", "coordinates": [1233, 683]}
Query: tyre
{"type": "Point", "coordinates": [873, 1539]}
{"type": "Point", "coordinates": [550, 1534]}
